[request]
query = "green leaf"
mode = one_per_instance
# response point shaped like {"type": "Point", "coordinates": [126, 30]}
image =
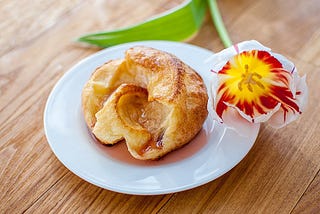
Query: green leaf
{"type": "Point", "coordinates": [177, 24]}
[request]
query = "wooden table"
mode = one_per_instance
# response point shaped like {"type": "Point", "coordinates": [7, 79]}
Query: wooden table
{"type": "Point", "coordinates": [279, 175]}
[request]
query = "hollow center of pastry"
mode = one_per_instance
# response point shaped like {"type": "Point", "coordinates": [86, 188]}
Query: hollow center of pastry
{"type": "Point", "coordinates": [136, 111]}
{"type": "Point", "coordinates": [130, 108]}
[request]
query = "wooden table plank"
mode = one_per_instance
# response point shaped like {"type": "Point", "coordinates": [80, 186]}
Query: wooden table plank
{"type": "Point", "coordinates": [284, 26]}
{"type": "Point", "coordinates": [279, 175]}
{"type": "Point", "coordinates": [310, 201]}
{"type": "Point", "coordinates": [76, 195]}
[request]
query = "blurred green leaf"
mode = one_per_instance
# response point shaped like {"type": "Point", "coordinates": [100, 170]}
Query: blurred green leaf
{"type": "Point", "coordinates": [177, 24]}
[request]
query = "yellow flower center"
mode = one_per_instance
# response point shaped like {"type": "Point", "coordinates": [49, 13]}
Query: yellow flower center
{"type": "Point", "coordinates": [249, 79]}
{"type": "Point", "coordinates": [248, 76]}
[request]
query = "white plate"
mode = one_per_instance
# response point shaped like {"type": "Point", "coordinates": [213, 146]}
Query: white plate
{"type": "Point", "coordinates": [214, 151]}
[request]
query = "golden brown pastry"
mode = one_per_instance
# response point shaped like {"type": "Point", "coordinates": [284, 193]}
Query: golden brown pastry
{"type": "Point", "coordinates": [150, 99]}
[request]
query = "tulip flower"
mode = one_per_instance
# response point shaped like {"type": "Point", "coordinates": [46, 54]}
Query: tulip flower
{"type": "Point", "coordinates": [251, 84]}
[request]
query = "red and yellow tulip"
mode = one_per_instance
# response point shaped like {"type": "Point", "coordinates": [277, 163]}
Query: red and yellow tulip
{"type": "Point", "coordinates": [258, 84]}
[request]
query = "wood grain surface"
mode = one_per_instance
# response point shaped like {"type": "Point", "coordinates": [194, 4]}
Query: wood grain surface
{"type": "Point", "coordinates": [279, 175]}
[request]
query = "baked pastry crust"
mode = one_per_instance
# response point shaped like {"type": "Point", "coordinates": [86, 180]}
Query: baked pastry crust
{"type": "Point", "coordinates": [150, 99]}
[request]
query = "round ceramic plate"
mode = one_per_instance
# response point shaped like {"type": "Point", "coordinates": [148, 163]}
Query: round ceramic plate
{"type": "Point", "coordinates": [213, 152]}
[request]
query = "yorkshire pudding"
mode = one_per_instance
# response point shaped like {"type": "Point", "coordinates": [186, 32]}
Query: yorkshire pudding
{"type": "Point", "coordinates": [150, 99]}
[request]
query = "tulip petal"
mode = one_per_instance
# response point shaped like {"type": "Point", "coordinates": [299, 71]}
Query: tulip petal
{"type": "Point", "coordinates": [233, 120]}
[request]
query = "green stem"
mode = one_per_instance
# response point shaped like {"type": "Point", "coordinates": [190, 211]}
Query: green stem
{"type": "Point", "coordinates": [218, 22]}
